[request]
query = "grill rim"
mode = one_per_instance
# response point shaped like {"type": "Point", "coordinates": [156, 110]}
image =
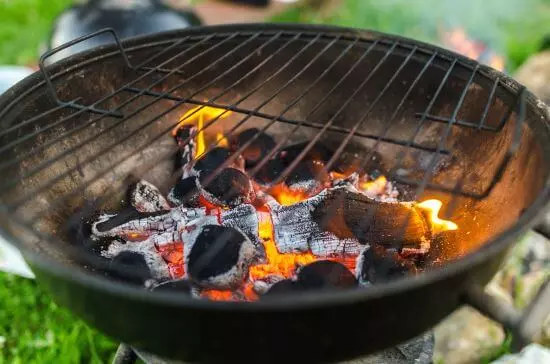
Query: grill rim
{"type": "Point", "coordinates": [490, 248]}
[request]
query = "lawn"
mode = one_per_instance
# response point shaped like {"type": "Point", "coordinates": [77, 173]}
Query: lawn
{"type": "Point", "coordinates": [33, 329]}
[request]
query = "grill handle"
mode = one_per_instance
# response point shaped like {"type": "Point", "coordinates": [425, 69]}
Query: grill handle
{"type": "Point", "coordinates": [524, 325]}
{"type": "Point", "coordinates": [73, 42]}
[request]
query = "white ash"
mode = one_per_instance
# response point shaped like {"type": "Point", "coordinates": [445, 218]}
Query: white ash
{"type": "Point", "coordinates": [244, 218]}
{"type": "Point", "coordinates": [359, 264]}
{"type": "Point", "coordinates": [326, 244]}
{"type": "Point", "coordinates": [146, 197]}
{"type": "Point", "coordinates": [166, 238]}
{"type": "Point", "coordinates": [312, 185]}
{"type": "Point", "coordinates": [157, 265]}
{"type": "Point", "coordinates": [261, 287]}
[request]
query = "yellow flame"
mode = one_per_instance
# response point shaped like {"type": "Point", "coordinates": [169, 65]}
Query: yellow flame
{"type": "Point", "coordinates": [221, 140]}
{"type": "Point", "coordinates": [198, 116]}
{"type": "Point", "coordinates": [432, 207]}
{"type": "Point", "coordinates": [376, 186]}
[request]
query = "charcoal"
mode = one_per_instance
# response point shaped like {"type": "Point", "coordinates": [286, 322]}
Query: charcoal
{"type": "Point", "coordinates": [177, 286]}
{"type": "Point", "coordinates": [349, 214]}
{"type": "Point", "coordinates": [258, 148]}
{"type": "Point", "coordinates": [318, 152]}
{"type": "Point", "coordinates": [214, 158]}
{"type": "Point", "coordinates": [295, 230]}
{"type": "Point", "coordinates": [220, 257]}
{"type": "Point", "coordinates": [307, 175]}
{"type": "Point", "coordinates": [230, 187]}
{"type": "Point", "coordinates": [377, 265]}
{"type": "Point", "coordinates": [129, 267]}
{"type": "Point", "coordinates": [283, 287]}
{"type": "Point", "coordinates": [185, 192]}
{"type": "Point", "coordinates": [326, 274]}
{"type": "Point", "coordinates": [145, 197]}
{"type": "Point", "coordinates": [244, 218]}
{"type": "Point", "coordinates": [148, 252]}
{"type": "Point", "coordinates": [269, 171]}
{"type": "Point", "coordinates": [124, 216]}
{"type": "Point", "coordinates": [186, 145]}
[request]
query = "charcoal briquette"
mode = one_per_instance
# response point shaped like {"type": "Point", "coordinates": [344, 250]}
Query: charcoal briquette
{"type": "Point", "coordinates": [220, 257]}
{"type": "Point", "coordinates": [326, 274]}
{"type": "Point", "coordinates": [230, 187]}
{"type": "Point", "coordinates": [283, 287]}
{"type": "Point", "coordinates": [146, 197]}
{"type": "Point", "coordinates": [378, 265]}
{"type": "Point", "coordinates": [214, 158]}
{"type": "Point", "coordinates": [257, 149]}
{"type": "Point", "coordinates": [130, 267]}
{"type": "Point", "coordinates": [185, 192]}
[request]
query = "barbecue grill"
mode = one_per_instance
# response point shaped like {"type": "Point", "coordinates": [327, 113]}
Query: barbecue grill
{"type": "Point", "coordinates": [76, 135]}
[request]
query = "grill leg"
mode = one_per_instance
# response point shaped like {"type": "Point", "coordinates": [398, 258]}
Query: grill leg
{"type": "Point", "coordinates": [124, 355]}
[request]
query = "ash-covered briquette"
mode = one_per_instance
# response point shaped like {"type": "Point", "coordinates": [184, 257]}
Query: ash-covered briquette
{"type": "Point", "coordinates": [129, 266]}
{"type": "Point", "coordinates": [178, 286]}
{"type": "Point", "coordinates": [309, 172]}
{"type": "Point", "coordinates": [108, 222]}
{"type": "Point", "coordinates": [147, 249]}
{"type": "Point", "coordinates": [146, 197]}
{"type": "Point", "coordinates": [258, 148]}
{"type": "Point", "coordinates": [187, 147]}
{"type": "Point", "coordinates": [185, 192]}
{"type": "Point", "coordinates": [230, 187]}
{"type": "Point", "coordinates": [296, 230]}
{"type": "Point", "coordinates": [350, 214]}
{"type": "Point", "coordinates": [326, 274]}
{"type": "Point", "coordinates": [214, 158]}
{"type": "Point", "coordinates": [245, 219]}
{"type": "Point", "coordinates": [378, 265]}
{"type": "Point", "coordinates": [220, 257]}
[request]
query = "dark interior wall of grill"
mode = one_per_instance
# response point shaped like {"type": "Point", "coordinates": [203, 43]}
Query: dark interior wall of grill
{"type": "Point", "coordinates": [317, 81]}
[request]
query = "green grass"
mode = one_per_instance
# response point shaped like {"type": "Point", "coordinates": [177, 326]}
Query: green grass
{"type": "Point", "coordinates": [33, 329]}
{"type": "Point", "coordinates": [24, 25]}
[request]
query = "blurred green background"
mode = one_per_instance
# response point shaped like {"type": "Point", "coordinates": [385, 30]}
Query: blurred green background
{"type": "Point", "coordinates": [33, 329]}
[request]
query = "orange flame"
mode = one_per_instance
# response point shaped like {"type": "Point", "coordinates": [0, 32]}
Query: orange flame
{"type": "Point", "coordinates": [221, 140]}
{"type": "Point", "coordinates": [285, 196]}
{"type": "Point", "coordinates": [376, 187]}
{"type": "Point", "coordinates": [432, 208]}
{"type": "Point", "coordinates": [217, 295]}
{"type": "Point", "coordinates": [198, 116]}
{"type": "Point", "coordinates": [458, 41]}
{"type": "Point", "coordinates": [283, 264]}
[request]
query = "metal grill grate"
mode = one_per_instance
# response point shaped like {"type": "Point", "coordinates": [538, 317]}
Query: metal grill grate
{"type": "Point", "coordinates": [152, 82]}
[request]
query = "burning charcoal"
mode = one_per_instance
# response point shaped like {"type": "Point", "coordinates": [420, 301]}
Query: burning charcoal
{"type": "Point", "coordinates": [260, 287]}
{"type": "Point", "coordinates": [186, 145]}
{"type": "Point", "coordinates": [270, 171]}
{"type": "Point", "coordinates": [185, 192]}
{"type": "Point", "coordinates": [146, 197]}
{"type": "Point", "coordinates": [215, 158]}
{"type": "Point", "coordinates": [220, 257]}
{"type": "Point", "coordinates": [318, 152]}
{"type": "Point", "coordinates": [348, 214]}
{"type": "Point", "coordinates": [178, 286]}
{"type": "Point", "coordinates": [283, 287]}
{"type": "Point", "coordinates": [230, 187]}
{"type": "Point", "coordinates": [244, 218]}
{"type": "Point", "coordinates": [326, 274]}
{"type": "Point", "coordinates": [146, 250]}
{"type": "Point", "coordinates": [257, 149]}
{"type": "Point", "coordinates": [129, 267]}
{"type": "Point", "coordinates": [327, 244]}
{"type": "Point", "coordinates": [377, 265]}
{"type": "Point", "coordinates": [309, 173]}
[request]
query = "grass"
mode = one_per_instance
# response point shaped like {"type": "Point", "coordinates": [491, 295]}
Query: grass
{"type": "Point", "coordinates": [33, 329]}
{"type": "Point", "coordinates": [24, 26]}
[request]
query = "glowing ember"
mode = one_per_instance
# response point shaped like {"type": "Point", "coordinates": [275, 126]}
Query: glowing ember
{"type": "Point", "coordinates": [285, 196]}
{"type": "Point", "coordinates": [276, 263]}
{"type": "Point", "coordinates": [198, 116]}
{"type": "Point", "coordinates": [217, 295]}
{"type": "Point", "coordinates": [458, 41]}
{"type": "Point", "coordinates": [376, 187]}
{"type": "Point", "coordinates": [432, 208]}
{"type": "Point", "coordinates": [221, 140]}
